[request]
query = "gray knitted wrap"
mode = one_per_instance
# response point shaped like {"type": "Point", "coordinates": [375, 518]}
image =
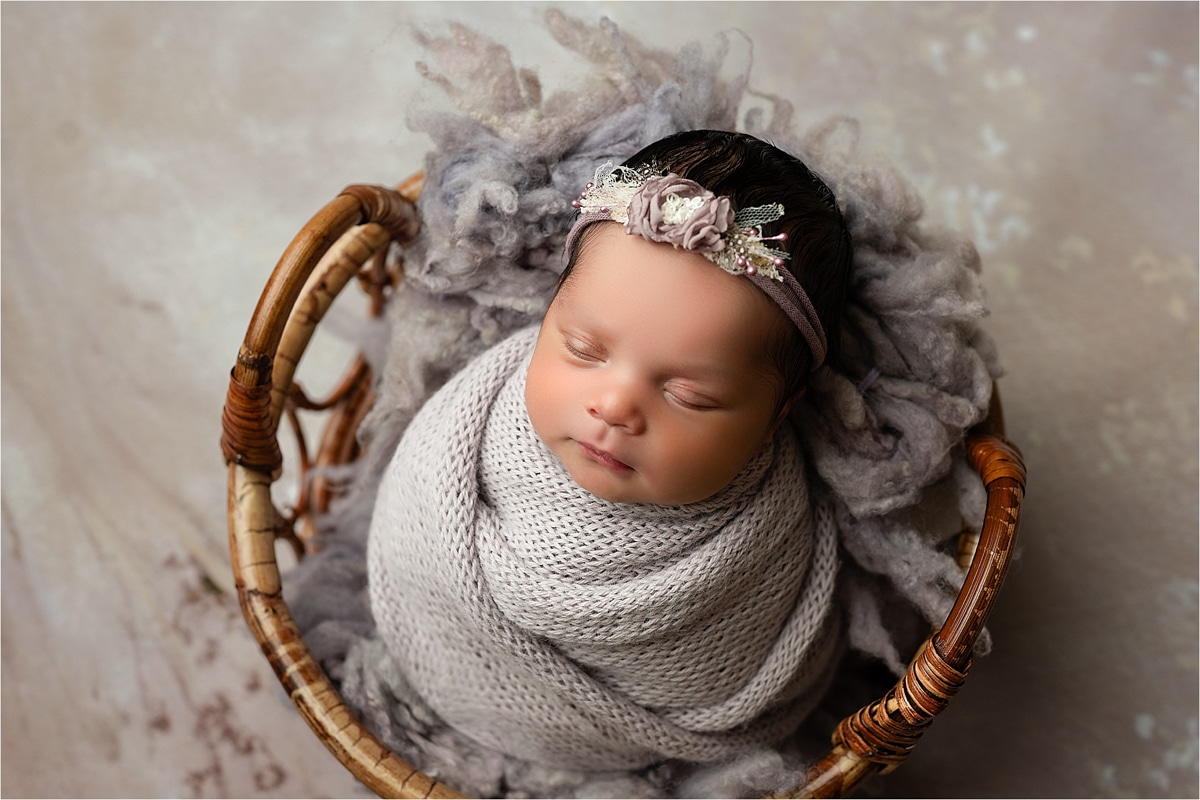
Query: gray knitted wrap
{"type": "Point", "coordinates": [559, 627]}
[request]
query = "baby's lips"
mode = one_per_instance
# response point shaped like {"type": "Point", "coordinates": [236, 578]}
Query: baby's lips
{"type": "Point", "coordinates": [604, 457]}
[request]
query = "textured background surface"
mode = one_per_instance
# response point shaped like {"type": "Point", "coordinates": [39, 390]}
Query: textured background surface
{"type": "Point", "coordinates": [158, 158]}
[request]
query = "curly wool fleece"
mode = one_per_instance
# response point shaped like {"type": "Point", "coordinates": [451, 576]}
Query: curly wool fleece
{"type": "Point", "coordinates": [882, 427]}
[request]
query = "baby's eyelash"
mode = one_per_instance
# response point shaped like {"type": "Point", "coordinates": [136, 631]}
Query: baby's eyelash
{"type": "Point", "coordinates": [586, 355]}
{"type": "Point", "coordinates": [694, 401]}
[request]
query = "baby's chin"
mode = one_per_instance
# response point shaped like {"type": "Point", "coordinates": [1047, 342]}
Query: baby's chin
{"type": "Point", "coordinates": [632, 490]}
{"type": "Point", "coordinates": [604, 487]}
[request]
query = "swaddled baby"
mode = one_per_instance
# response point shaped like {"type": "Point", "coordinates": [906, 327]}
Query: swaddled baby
{"type": "Point", "coordinates": [595, 546]}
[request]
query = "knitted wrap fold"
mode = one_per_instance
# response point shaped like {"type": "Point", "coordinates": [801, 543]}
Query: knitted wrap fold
{"type": "Point", "coordinates": [559, 627]}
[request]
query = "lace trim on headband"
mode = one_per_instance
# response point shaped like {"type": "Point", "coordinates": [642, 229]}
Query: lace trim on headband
{"type": "Point", "coordinates": [663, 207]}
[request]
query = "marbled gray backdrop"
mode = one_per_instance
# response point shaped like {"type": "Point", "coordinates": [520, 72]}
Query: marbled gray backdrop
{"type": "Point", "coordinates": [157, 159]}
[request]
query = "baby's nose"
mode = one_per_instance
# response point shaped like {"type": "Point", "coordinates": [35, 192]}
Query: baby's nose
{"type": "Point", "coordinates": [618, 407]}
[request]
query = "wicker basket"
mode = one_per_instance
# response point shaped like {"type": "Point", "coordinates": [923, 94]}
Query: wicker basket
{"type": "Point", "coordinates": [348, 238]}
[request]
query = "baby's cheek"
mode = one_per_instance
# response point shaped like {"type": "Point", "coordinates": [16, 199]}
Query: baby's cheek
{"type": "Point", "coordinates": [543, 398]}
{"type": "Point", "coordinates": [533, 396]}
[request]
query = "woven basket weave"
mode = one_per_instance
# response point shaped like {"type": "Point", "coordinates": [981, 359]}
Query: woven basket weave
{"type": "Point", "coordinates": [348, 239]}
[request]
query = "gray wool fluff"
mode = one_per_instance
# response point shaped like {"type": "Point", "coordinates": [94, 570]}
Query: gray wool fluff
{"type": "Point", "coordinates": [883, 426]}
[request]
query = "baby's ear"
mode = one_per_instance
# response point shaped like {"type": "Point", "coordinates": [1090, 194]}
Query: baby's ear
{"type": "Point", "coordinates": [782, 415]}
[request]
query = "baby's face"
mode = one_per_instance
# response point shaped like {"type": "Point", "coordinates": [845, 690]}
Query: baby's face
{"type": "Point", "coordinates": [650, 379]}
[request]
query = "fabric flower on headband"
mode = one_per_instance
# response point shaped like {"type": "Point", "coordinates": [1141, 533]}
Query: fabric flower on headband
{"type": "Point", "coordinates": [681, 212]}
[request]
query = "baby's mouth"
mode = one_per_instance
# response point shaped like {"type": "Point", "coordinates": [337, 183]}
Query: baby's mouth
{"type": "Point", "coordinates": [604, 458]}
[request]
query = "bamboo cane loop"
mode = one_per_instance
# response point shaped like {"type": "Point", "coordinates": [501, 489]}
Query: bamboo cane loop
{"type": "Point", "coordinates": [835, 775]}
{"type": "Point", "coordinates": [245, 439]}
{"type": "Point", "coordinates": [248, 435]}
{"type": "Point", "coordinates": [339, 444]}
{"type": "Point", "coordinates": [252, 541]}
{"type": "Point", "coordinates": [881, 735]}
{"type": "Point", "coordinates": [886, 731]}
{"type": "Point", "coordinates": [250, 448]}
{"type": "Point", "coordinates": [327, 280]}
{"type": "Point", "coordinates": [1003, 472]}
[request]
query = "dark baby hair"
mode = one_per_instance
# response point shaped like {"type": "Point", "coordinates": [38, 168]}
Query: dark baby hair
{"type": "Point", "coordinates": [752, 172]}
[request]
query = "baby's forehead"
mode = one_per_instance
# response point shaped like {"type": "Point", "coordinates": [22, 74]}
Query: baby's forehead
{"type": "Point", "coordinates": [712, 320]}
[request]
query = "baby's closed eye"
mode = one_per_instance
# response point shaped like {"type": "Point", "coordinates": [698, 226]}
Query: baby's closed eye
{"type": "Point", "coordinates": [690, 397]}
{"type": "Point", "coordinates": [583, 349]}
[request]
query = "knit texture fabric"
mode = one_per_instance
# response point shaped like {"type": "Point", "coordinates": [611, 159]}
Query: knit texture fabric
{"type": "Point", "coordinates": [558, 627]}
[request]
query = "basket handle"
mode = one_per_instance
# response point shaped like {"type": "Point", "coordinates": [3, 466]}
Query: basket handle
{"type": "Point", "coordinates": [881, 735]}
{"type": "Point", "coordinates": [254, 462]}
{"type": "Point", "coordinates": [248, 432]}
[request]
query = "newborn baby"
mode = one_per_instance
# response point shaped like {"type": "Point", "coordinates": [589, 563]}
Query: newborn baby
{"type": "Point", "coordinates": [595, 547]}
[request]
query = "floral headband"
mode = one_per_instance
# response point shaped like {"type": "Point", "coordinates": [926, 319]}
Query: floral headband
{"type": "Point", "coordinates": [667, 208]}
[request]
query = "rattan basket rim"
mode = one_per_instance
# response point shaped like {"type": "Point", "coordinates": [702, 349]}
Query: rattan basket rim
{"type": "Point", "coordinates": [319, 262]}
